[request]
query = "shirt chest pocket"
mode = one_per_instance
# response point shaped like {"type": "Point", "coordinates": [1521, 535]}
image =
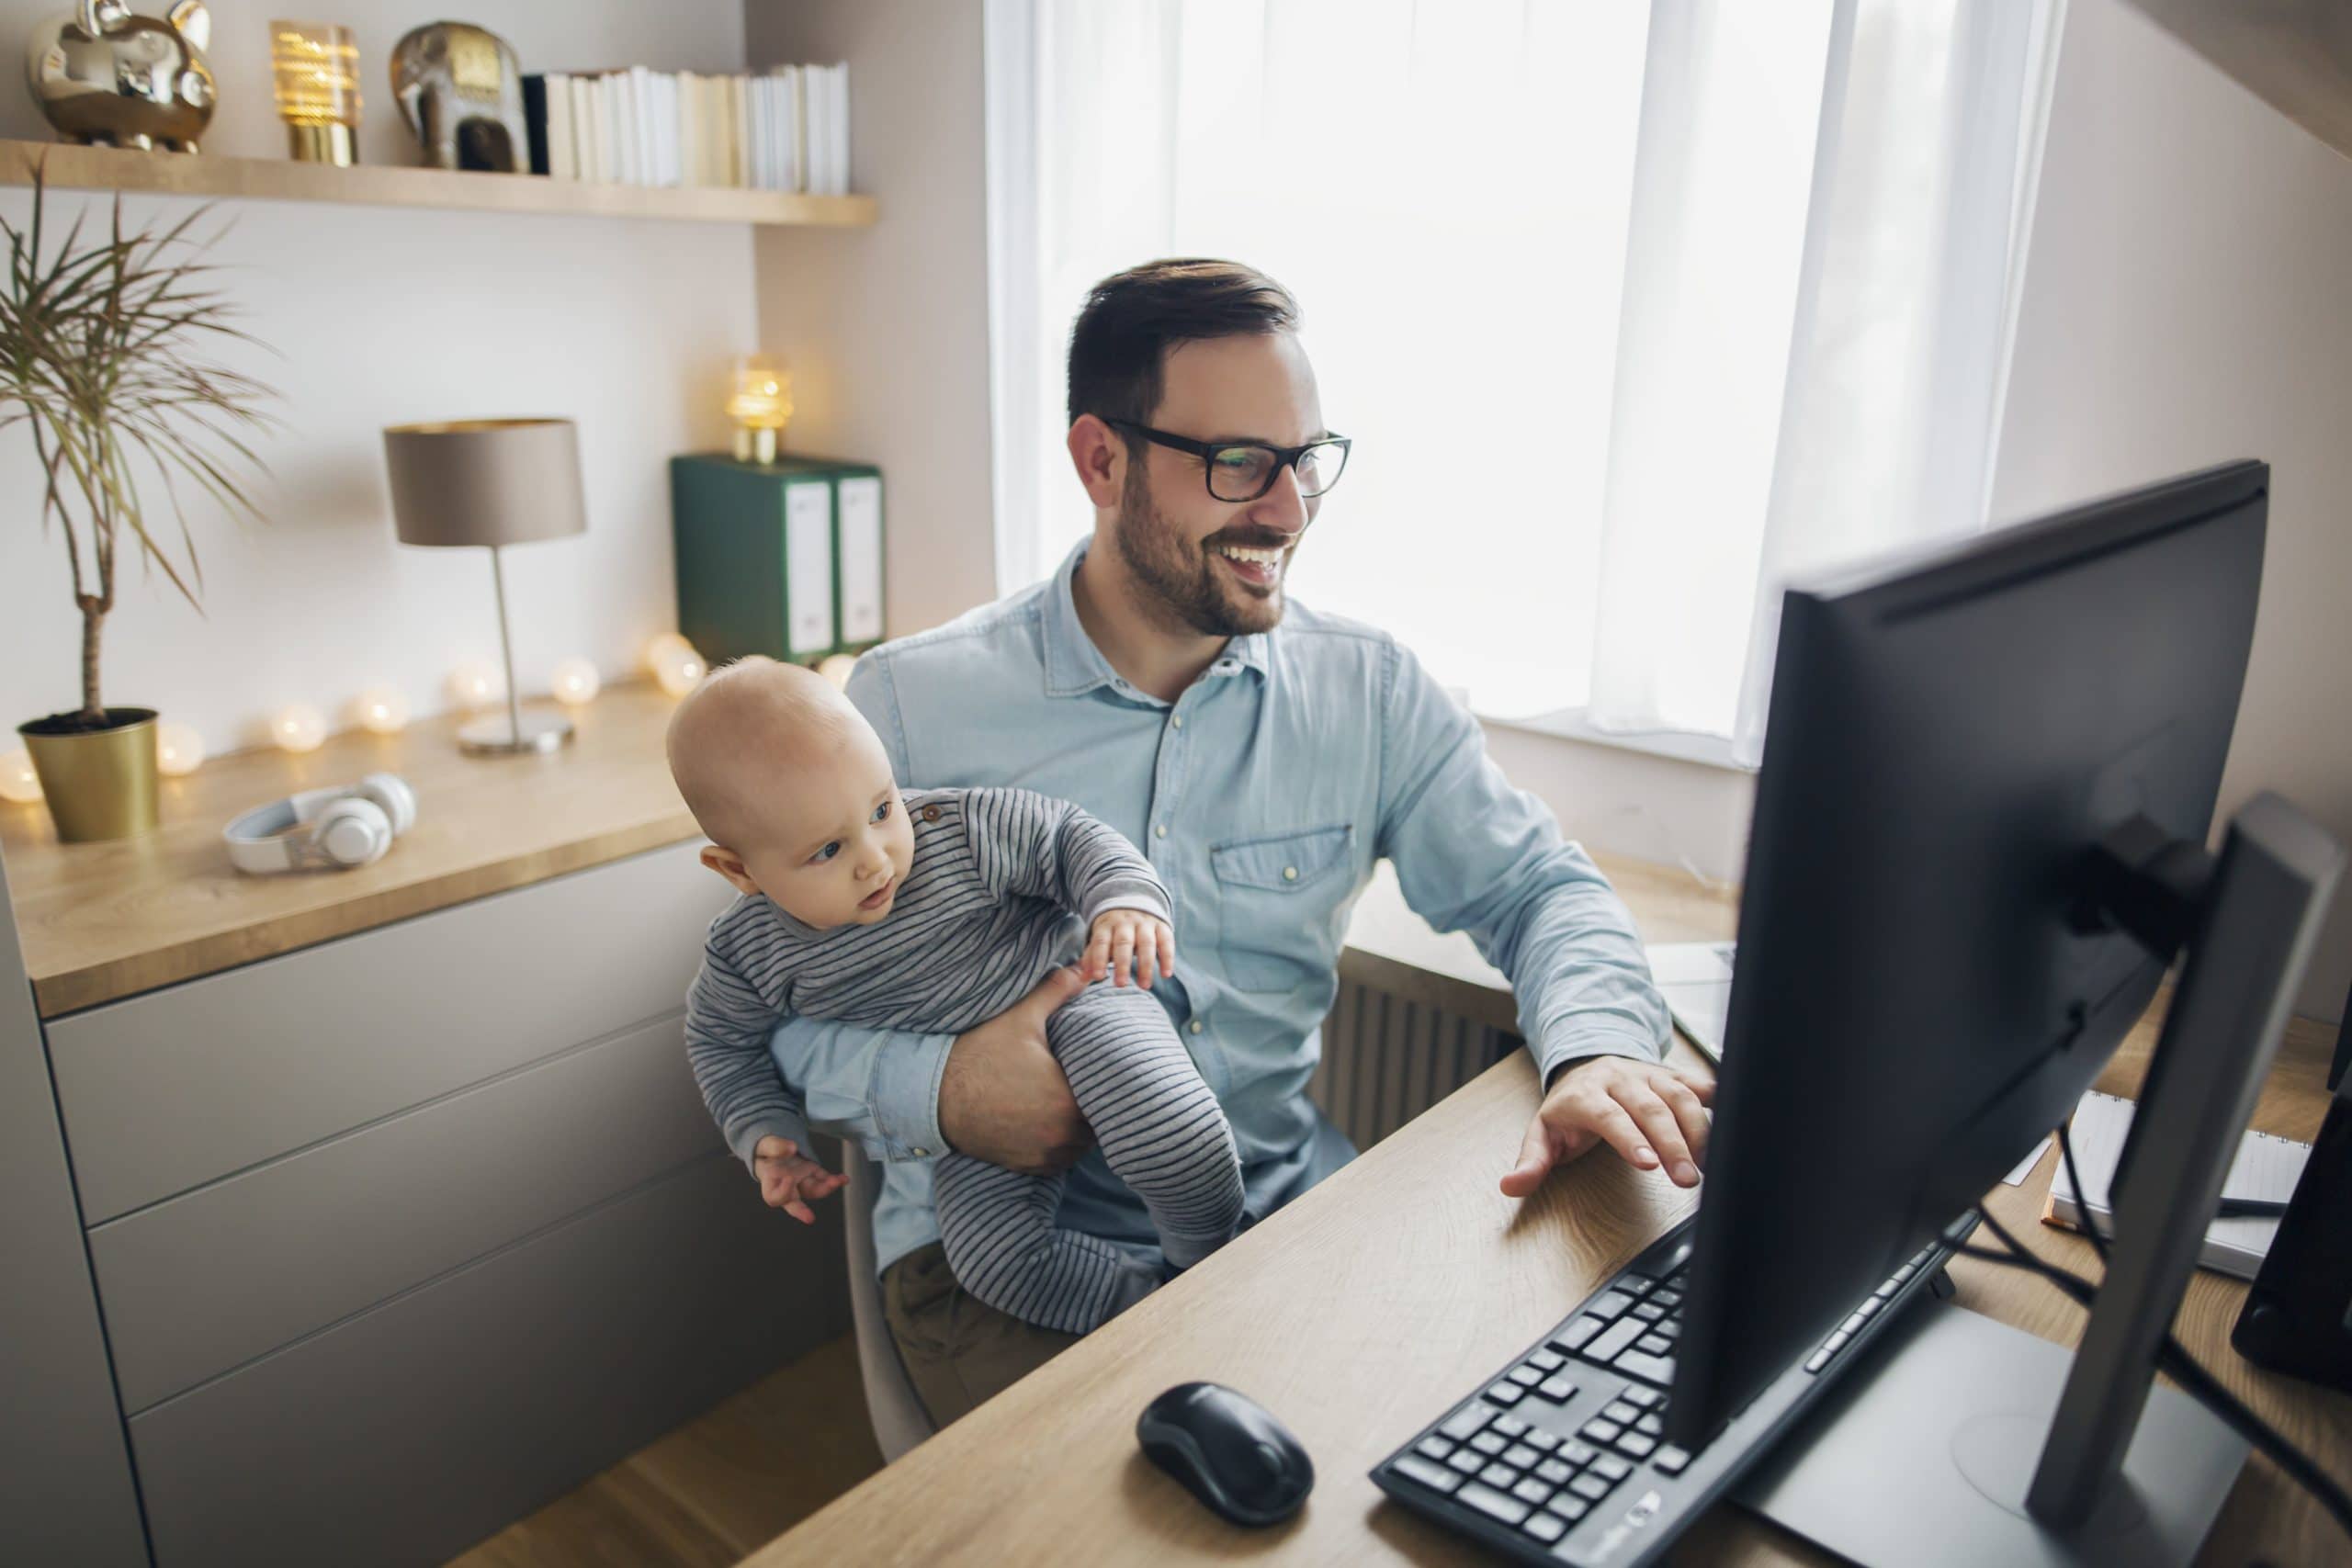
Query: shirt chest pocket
{"type": "Point", "coordinates": [1280, 899]}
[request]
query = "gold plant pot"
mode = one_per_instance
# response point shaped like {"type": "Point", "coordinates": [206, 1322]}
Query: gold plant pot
{"type": "Point", "coordinates": [99, 784]}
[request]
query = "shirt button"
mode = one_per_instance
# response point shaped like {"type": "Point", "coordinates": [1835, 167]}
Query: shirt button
{"type": "Point", "coordinates": [1198, 1026]}
{"type": "Point", "coordinates": [931, 814]}
{"type": "Point", "coordinates": [1160, 831]}
{"type": "Point", "coordinates": [1290, 874]}
{"type": "Point", "coordinates": [922, 1154]}
{"type": "Point", "coordinates": [1177, 722]}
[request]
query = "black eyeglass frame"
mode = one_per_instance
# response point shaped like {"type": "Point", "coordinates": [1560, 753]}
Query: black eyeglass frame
{"type": "Point", "coordinates": [1285, 458]}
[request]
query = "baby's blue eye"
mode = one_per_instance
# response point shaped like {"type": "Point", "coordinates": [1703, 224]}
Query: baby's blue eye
{"type": "Point", "coordinates": [882, 812]}
{"type": "Point", "coordinates": [828, 852]}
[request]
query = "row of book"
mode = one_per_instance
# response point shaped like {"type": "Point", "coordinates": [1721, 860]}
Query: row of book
{"type": "Point", "coordinates": [784, 130]}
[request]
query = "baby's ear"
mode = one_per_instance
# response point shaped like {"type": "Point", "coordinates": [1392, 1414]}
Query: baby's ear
{"type": "Point", "coordinates": [728, 865]}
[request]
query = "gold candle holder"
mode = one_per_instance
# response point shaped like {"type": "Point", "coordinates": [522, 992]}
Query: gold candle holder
{"type": "Point", "coordinates": [316, 67]}
{"type": "Point", "coordinates": [760, 407]}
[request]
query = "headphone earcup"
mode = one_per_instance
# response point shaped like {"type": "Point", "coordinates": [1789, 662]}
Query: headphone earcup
{"type": "Point", "coordinates": [352, 831]}
{"type": "Point", "coordinates": [392, 794]}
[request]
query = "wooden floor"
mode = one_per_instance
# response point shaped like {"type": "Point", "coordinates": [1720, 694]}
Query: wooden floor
{"type": "Point", "coordinates": [716, 1489]}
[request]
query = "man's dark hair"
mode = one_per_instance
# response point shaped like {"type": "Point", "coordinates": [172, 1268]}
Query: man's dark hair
{"type": "Point", "coordinates": [1118, 349]}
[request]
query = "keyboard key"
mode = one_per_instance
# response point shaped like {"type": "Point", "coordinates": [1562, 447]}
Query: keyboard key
{"type": "Point", "coordinates": [1611, 1469]}
{"type": "Point", "coordinates": [1542, 1441]}
{"type": "Point", "coordinates": [1500, 1475]}
{"type": "Point", "coordinates": [1569, 1507]}
{"type": "Point", "coordinates": [1608, 1305]}
{"type": "Point", "coordinates": [1526, 1376]}
{"type": "Point", "coordinates": [1433, 1447]}
{"type": "Point", "coordinates": [1835, 1342]}
{"type": "Point", "coordinates": [1669, 1299]}
{"type": "Point", "coordinates": [1464, 1421]}
{"type": "Point", "coordinates": [1518, 1456]}
{"type": "Point", "coordinates": [1506, 1394]}
{"type": "Point", "coordinates": [1632, 1285]}
{"type": "Point", "coordinates": [1489, 1443]}
{"type": "Point", "coordinates": [1650, 1425]}
{"type": "Point", "coordinates": [1634, 1445]}
{"type": "Point", "coordinates": [1620, 1411]}
{"type": "Point", "coordinates": [1546, 1360]}
{"type": "Point", "coordinates": [1621, 1336]}
{"type": "Point", "coordinates": [1853, 1324]}
{"type": "Point", "coordinates": [1658, 1369]}
{"type": "Point", "coordinates": [1553, 1470]}
{"type": "Point", "coordinates": [1818, 1361]}
{"type": "Point", "coordinates": [1493, 1504]}
{"type": "Point", "coordinates": [1870, 1308]}
{"type": "Point", "coordinates": [1436, 1477]}
{"type": "Point", "coordinates": [1577, 1453]}
{"type": "Point", "coordinates": [1544, 1527]}
{"type": "Point", "coordinates": [1591, 1487]}
{"type": "Point", "coordinates": [1573, 1337]}
{"type": "Point", "coordinates": [1883, 1291]}
{"type": "Point", "coordinates": [1671, 1459]}
{"type": "Point", "coordinates": [1649, 1311]}
{"type": "Point", "coordinates": [1600, 1429]}
{"type": "Point", "coordinates": [1557, 1389]}
{"type": "Point", "coordinates": [1654, 1345]}
{"type": "Point", "coordinates": [1642, 1398]}
{"type": "Point", "coordinates": [1532, 1493]}
{"type": "Point", "coordinates": [1469, 1462]}
{"type": "Point", "coordinates": [1510, 1427]}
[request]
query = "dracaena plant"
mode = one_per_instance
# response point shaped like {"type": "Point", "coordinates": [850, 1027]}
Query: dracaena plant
{"type": "Point", "coordinates": [103, 358]}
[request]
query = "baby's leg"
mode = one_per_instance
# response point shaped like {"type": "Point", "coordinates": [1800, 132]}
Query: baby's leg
{"type": "Point", "coordinates": [997, 1226]}
{"type": "Point", "coordinates": [1160, 1126]}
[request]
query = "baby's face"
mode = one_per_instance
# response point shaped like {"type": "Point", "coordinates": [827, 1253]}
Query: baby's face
{"type": "Point", "coordinates": [837, 843]}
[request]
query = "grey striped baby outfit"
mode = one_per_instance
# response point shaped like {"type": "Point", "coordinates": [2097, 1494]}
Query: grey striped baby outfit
{"type": "Point", "coordinates": [1002, 883]}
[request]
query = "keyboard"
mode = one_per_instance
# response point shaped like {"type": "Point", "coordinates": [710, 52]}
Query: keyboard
{"type": "Point", "coordinates": [1561, 1457]}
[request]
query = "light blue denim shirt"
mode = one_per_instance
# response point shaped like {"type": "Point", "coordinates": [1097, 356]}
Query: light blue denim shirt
{"type": "Point", "coordinates": [1263, 797]}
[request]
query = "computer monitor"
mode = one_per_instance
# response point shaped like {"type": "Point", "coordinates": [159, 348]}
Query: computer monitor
{"type": "Point", "coordinates": [1919, 995]}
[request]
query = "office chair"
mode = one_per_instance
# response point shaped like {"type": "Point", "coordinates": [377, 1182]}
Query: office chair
{"type": "Point", "coordinates": [896, 1411]}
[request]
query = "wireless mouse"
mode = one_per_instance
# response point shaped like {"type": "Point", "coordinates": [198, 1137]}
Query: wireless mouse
{"type": "Point", "coordinates": [1228, 1451]}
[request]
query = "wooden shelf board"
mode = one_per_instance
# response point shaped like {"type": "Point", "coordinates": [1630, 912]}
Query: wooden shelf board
{"type": "Point", "coordinates": [276, 179]}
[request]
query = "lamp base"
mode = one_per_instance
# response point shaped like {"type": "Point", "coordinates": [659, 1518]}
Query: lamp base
{"type": "Point", "coordinates": [330, 143]}
{"type": "Point", "coordinates": [754, 444]}
{"type": "Point", "coordinates": [493, 738]}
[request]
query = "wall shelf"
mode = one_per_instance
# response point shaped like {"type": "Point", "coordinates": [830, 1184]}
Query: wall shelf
{"type": "Point", "coordinates": [279, 179]}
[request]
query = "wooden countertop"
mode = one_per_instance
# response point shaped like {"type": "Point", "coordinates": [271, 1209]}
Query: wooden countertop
{"type": "Point", "coordinates": [102, 921]}
{"type": "Point", "coordinates": [1360, 1311]}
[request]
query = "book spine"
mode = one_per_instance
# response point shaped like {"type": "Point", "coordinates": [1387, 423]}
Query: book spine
{"type": "Point", "coordinates": [534, 120]}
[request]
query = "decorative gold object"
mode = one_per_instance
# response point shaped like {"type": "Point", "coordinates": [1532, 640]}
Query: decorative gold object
{"type": "Point", "coordinates": [100, 784]}
{"type": "Point", "coordinates": [760, 407]}
{"type": "Point", "coordinates": [316, 68]}
{"type": "Point", "coordinates": [102, 74]}
{"type": "Point", "coordinates": [461, 91]}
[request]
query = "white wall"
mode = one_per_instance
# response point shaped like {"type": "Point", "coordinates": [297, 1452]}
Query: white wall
{"type": "Point", "coordinates": [382, 316]}
{"type": "Point", "coordinates": [2188, 300]}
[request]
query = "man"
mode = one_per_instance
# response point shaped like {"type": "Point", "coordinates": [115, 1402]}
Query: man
{"type": "Point", "coordinates": [1264, 757]}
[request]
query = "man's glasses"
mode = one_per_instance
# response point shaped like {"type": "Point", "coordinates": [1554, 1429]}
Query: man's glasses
{"type": "Point", "coordinates": [1244, 470]}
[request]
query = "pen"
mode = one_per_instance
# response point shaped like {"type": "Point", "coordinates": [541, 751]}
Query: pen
{"type": "Point", "coordinates": [2249, 1208]}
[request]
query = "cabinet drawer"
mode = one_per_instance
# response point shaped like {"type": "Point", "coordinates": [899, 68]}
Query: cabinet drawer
{"type": "Point", "coordinates": [208, 1280]}
{"type": "Point", "coordinates": [422, 1427]}
{"type": "Point", "coordinates": [166, 1091]}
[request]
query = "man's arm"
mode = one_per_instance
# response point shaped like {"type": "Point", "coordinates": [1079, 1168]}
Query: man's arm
{"type": "Point", "coordinates": [1473, 853]}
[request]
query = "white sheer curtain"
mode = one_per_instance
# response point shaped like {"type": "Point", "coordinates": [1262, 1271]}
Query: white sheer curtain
{"type": "Point", "coordinates": [1812, 257]}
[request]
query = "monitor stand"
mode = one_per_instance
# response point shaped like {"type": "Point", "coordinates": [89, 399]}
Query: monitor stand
{"type": "Point", "coordinates": [1922, 1455]}
{"type": "Point", "coordinates": [1976, 1443]}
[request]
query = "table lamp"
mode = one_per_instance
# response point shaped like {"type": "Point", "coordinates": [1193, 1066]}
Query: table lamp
{"type": "Point", "coordinates": [315, 67]}
{"type": "Point", "coordinates": [491, 482]}
{"type": "Point", "coordinates": [761, 406]}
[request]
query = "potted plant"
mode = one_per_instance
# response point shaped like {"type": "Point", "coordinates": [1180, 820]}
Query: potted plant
{"type": "Point", "coordinates": [101, 358]}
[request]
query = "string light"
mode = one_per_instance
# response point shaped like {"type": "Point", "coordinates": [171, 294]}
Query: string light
{"type": "Point", "coordinates": [381, 710]}
{"type": "Point", "coordinates": [475, 685]}
{"type": "Point", "coordinates": [679, 669]}
{"type": "Point", "coordinates": [298, 727]}
{"type": "Point", "coordinates": [665, 642]}
{"type": "Point", "coordinates": [576, 683]}
{"type": "Point", "coordinates": [179, 750]}
{"type": "Point", "coordinates": [17, 780]}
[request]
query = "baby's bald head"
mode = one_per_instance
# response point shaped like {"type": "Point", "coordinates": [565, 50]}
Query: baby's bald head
{"type": "Point", "coordinates": [740, 738]}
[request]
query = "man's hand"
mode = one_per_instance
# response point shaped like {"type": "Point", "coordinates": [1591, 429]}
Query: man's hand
{"type": "Point", "coordinates": [1129, 947]}
{"type": "Point", "coordinates": [1650, 1114]}
{"type": "Point", "coordinates": [1002, 1095]}
{"type": "Point", "coordinates": [790, 1181]}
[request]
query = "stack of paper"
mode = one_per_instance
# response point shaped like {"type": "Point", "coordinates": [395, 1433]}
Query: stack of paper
{"type": "Point", "coordinates": [781, 129]}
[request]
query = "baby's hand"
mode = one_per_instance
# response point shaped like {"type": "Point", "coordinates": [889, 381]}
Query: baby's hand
{"type": "Point", "coordinates": [1128, 945]}
{"type": "Point", "coordinates": [791, 1182]}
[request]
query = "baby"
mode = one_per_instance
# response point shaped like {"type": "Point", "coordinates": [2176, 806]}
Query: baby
{"type": "Point", "coordinates": [935, 910]}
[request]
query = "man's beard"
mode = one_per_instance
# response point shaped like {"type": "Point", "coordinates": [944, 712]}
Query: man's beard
{"type": "Point", "coordinates": [1180, 575]}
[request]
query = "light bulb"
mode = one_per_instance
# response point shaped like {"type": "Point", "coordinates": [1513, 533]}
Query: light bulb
{"type": "Point", "coordinates": [575, 682]}
{"type": "Point", "coordinates": [836, 667]}
{"type": "Point", "coordinates": [667, 642]}
{"type": "Point", "coordinates": [17, 780]}
{"type": "Point", "coordinates": [179, 750]}
{"type": "Point", "coordinates": [381, 710]}
{"type": "Point", "coordinates": [678, 671]}
{"type": "Point", "coordinates": [475, 685]}
{"type": "Point", "coordinates": [298, 727]}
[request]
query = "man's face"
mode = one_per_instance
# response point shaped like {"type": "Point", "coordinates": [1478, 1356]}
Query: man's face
{"type": "Point", "coordinates": [1218, 566]}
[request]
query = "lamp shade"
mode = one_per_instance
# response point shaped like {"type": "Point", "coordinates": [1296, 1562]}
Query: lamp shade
{"type": "Point", "coordinates": [485, 481]}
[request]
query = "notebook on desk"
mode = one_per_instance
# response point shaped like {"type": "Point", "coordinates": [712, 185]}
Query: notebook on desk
{"type": "Point", "coordinates": [2266, 1167]}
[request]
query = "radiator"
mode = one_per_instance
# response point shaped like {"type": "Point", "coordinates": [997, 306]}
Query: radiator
{"type": "Point", "coordinates": [1386, 1059]}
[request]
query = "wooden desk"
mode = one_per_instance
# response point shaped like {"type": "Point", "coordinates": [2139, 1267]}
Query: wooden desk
{"type": "Point", "coordinates": [1363, 1309]}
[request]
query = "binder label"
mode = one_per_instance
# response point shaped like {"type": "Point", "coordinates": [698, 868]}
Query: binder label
{"type": "Point", "coordinates": [808, 566]}
{"type": "Point", "coordinates": [861, 544]}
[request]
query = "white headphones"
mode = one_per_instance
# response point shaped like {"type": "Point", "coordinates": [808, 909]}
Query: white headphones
{"type": "Point", "coordinates": [348, 825]}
